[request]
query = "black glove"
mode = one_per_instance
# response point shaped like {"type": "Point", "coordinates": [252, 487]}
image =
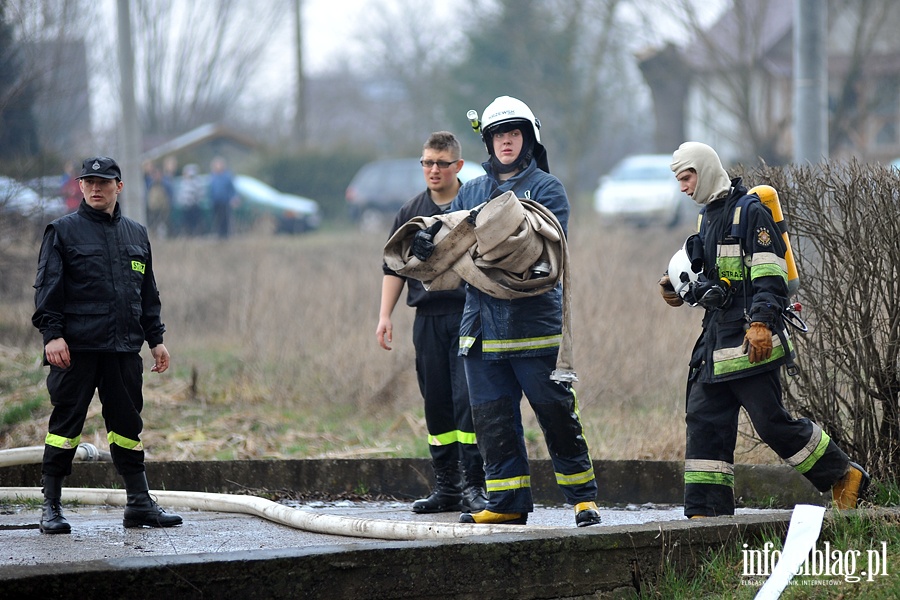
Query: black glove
{"type": "Point", "coordinates": [423, 244]}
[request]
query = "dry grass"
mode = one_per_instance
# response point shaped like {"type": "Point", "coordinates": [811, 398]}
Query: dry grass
{"type": "Point", "coordinates": [274, 352]}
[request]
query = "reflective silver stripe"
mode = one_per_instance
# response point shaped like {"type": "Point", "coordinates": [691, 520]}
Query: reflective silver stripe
{"type": "Point", "coordinates": [807, 450]}
{"type": "Point", "coordinates": [708, 466]}
{"type": "Point", "coordinates": [768, 258]}
{"type": "Point", "coordinates": [729, 250]}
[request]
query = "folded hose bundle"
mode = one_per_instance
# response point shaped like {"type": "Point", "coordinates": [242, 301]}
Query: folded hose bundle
{"type": "Point", "coordinates": [494, 248]}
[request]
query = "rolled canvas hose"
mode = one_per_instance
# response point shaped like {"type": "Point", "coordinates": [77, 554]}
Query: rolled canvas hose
{"type": "Point", "coordinates": [305, 520]}
{"type": "Point", "coordinates": [31, 455]}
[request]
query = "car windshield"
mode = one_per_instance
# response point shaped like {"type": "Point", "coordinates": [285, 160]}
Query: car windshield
{"type": "Point", "coordinates": [642, 171]}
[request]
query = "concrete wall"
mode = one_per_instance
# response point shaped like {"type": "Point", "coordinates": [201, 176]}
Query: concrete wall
{"type": "Point", "coordinates": [621, 482]}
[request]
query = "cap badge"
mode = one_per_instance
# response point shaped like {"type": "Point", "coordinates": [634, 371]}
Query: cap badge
{"type": "Point", "coordinates": [96, 165]}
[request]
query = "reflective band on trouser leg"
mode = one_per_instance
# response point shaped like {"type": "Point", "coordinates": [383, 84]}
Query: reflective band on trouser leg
{"type": "Point", "coordinates": [575, 478]}
{"type": "Point", "coordinates": [124, 442]}
{"type": "Point", "coordinates": [525, 344]}
{"type": "Point", "coordinates": [815, 447]}
{"type": "Point", "coordinates": [712, 472]}
{"type": "Point", "coordinates": [57, 441]}
{"type": "Point", "coordinates": [506, 485]}
{"type": "Point", "coordinates": [451, 437]}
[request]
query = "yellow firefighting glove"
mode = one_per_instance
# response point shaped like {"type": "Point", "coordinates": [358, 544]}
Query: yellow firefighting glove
{"type": "Point", "coordinates": [758, 341]}
{"type": "Point", "coordinates": [668, 291]}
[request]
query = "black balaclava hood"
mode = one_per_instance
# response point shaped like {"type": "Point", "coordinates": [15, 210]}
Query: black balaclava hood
{"type": "Point", "coordinates": [529, 146]}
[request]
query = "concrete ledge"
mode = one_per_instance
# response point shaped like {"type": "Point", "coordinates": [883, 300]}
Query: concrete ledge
{"type": "Point", "coordinates": [601, 562]}
{"type": "Point", "coordinates": [621, 482]}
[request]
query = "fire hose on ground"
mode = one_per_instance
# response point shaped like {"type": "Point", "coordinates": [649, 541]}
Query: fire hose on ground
{"type": "Point", "coordinates": [305, 520]}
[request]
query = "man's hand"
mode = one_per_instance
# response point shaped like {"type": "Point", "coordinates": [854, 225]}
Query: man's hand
{"type": "Point", "coordinates": [668, 291]}
{"type": "Point", "coordinates": [385, 333]}
{"type": "Point", "coordinates": [57, 353]}
{"type": "Point", "coordinates": [423, 241]}
{"type": "Point", "coordinates": [758, 341]}
{"type": "Point", "coordinates": [161, 356]}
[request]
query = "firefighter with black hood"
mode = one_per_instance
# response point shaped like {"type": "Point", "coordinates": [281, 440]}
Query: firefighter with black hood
{"type": "Point", "coordinates": [741, 282]}
{"type": "Point", "coordinates": [510, 347]}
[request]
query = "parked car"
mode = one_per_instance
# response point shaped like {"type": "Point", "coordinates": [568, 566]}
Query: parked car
{"type": "Point", "coordinates": [381, 187]}
{"type": "Point", "coordinates": [290, 213]}
{"type": "Point", "coordinates": [261, 207]}
{"type": "Point", "coordinates": [19, 199]}
{"type": "Point", "coordinates": [641, 189]}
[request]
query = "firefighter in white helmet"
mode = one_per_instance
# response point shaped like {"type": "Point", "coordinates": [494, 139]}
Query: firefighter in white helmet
{"type": "Point", "coordinates": [737, 359]}
{"type": "Point", "coordinates": [510, 347]}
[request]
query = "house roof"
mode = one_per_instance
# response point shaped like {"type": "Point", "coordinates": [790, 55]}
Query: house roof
{"type": "Point", "coordinates": [195, 137]}
{"type": "Point", "coordinates": [724, 44]}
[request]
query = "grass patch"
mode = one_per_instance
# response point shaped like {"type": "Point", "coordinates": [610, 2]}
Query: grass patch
{"type": "Point", "coordinates": [851, 538]}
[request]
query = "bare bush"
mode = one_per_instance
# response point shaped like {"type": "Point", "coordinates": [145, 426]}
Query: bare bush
{"type": "Point", "coordinates": [844, 228]}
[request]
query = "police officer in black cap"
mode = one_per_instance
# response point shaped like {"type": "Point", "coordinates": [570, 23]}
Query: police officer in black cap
{"type": "Point", "coordinates": [96, 303]}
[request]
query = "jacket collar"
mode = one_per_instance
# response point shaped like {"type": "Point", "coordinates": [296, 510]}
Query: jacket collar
{"type": "Point", "coordinates": [92, 214]}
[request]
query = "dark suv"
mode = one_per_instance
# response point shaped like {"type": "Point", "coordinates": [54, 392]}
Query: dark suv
{"type": "Point", "coordinates": [380, 188]}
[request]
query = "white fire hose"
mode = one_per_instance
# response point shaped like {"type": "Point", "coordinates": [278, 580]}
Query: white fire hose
{"type": "Point", "coordinates": [252, 505]}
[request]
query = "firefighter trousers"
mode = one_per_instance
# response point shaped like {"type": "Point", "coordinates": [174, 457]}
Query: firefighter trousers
{"type": "Point", "coordinates": [117, 377]}
{"type": "Point", "coordinates": [442, 382]}
{"type": "Point", "coordinates": [712, 427]}
{"type": "Point", "coordinates": [495, 391]}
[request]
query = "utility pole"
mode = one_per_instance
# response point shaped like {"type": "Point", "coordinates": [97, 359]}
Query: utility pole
{"type": "Point", "coordinates": [130, 161]}
{"type": "Point", "coordinates": [810, 81]}
{"type": "Point", "coordinates": [300, 107]}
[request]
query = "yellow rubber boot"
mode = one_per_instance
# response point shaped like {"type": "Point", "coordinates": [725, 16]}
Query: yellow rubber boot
{"type": "Point", "coordinates": [587, 513]}
{"type": "Point", "coordinates": [849, 489]}
{"type": "Point", "coordinates": [491, 518]}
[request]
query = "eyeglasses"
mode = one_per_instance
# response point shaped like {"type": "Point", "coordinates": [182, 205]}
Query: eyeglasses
{"type": "Point", "coordinates": [442, 164]}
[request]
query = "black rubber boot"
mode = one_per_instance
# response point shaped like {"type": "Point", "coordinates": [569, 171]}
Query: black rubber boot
{"type": "Point", "coordinates": [52, 519]}
{"type": "Point", "coordinates": [140, 509]}
{"type": "Point", "coordinates": [447, 495]}
{"type": "Point", "coordinates": [474, 498]}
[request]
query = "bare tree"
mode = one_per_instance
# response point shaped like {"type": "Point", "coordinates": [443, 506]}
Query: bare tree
{"type": "Point", "coordinates": [194, 60]}
{"type": "Point", "coordinates": [741, 70]}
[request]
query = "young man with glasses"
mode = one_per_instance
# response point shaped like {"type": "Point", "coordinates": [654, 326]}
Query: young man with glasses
{"type": "Point", "coordinates": [457, 463]}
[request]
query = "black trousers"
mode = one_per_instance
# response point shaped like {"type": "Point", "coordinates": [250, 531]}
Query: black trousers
{"type": "Point", "coordinates": [442, 382]}
{"type": "Point", "coordinates": [118, 378]}
{"type": "Point", "coordinates": [712, 427]}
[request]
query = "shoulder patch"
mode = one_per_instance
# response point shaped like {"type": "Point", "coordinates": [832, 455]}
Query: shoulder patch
{"type": "Point", "coordinates": [763, 237]}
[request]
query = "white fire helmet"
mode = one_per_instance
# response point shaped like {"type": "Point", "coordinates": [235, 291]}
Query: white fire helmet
{"type": "Point", "coordinates": [680, 273]}
{"type": "Point", "coordinates": [507, 108]}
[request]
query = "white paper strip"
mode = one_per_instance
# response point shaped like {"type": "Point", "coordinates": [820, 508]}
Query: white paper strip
{"type": "Point", "coordinates": [806, 524]}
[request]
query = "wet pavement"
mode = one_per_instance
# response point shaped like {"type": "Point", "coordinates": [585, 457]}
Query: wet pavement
{"type": "Point", "coordinates": [98, 534]}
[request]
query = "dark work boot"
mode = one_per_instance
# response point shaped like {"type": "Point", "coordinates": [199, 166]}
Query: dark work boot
{"type": "Point", "coordinates": [474, 498]}
{"type": "Point", "coordinates": [140, 509]}
{"type": "Point", "coordinates": [447, 495]}
{"type": "Point", "coordinates": [52, 519]}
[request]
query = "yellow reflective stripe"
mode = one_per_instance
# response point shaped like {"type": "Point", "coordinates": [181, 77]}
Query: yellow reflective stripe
{"type": "Point", "coordinates": [575, 478]}
{"type": "Point", "coordinates": [705, 471]}
{"type": "Point", "coordinates": [709, 478]}
{"type": "Point", "coordinates": [58, 441]}
{"type": "Point", "coordinates": [466, 341]}
{"type": "Point", "coordinates": [451, 437]}
{"type": "Point", "coordinates": [767, 270]}
{"type": "Point", "coordinates": [513, 483]}
{"type": "Point", "coordinates": [816, 454]}
{"type": "Point", "coordinates": [523, 344]}
{"type": "Point", "coordinates": [123, 442]}
{"type": "Point", "coordinates": [732, 360]}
